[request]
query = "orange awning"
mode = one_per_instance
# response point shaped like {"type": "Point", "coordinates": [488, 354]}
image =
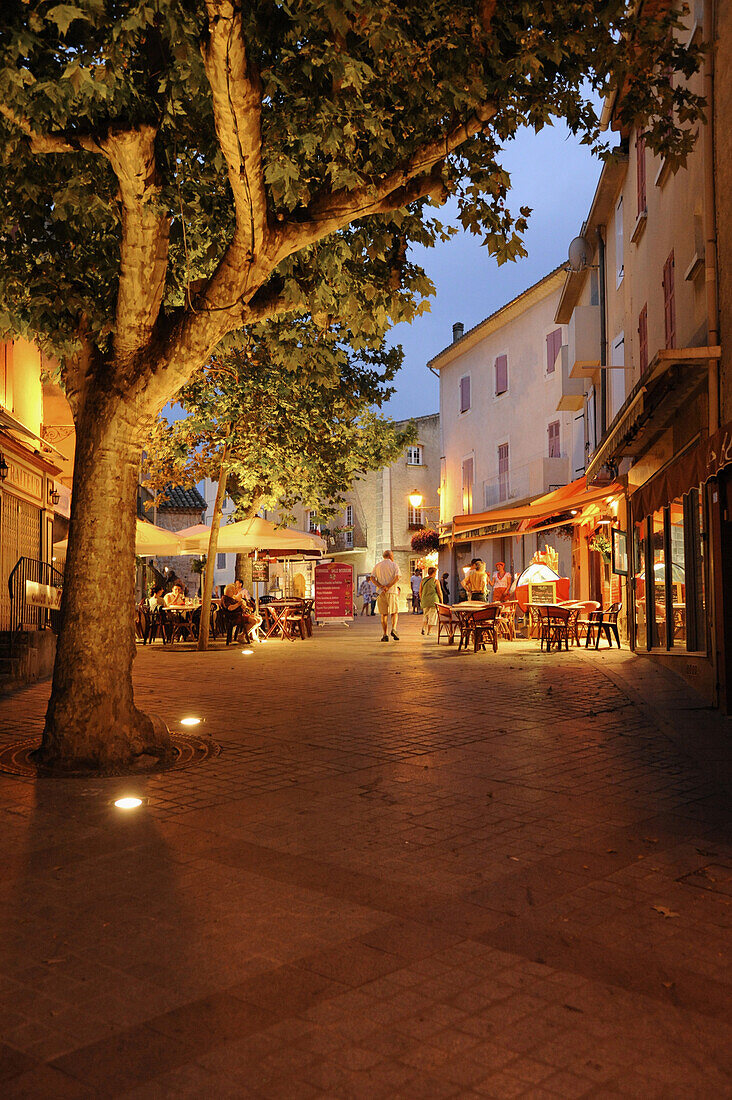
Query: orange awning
{"type": "Point", "coordinates": [504, 522]}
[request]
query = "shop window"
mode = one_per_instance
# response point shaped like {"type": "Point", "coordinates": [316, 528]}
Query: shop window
{"type": "Point", "coordinates": [639, 583]}
{"type": "Point", "coordinates": [694, 555]}
{"type": "Point", "coordinates": [658, 581]}
{"type": "Point", "coordinates": [677, 579]}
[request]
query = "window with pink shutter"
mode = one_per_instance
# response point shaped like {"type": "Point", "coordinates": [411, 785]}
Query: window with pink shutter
{"type": "Point", "coordinates": [640, 166]}
{"type": "Point", "coordinates": [643, 339]}
{"type": "Point", "coordinates": [465, 394]}
{"type": "Point", "coordinates": [669, 303]}
{"type": "Point", "coordinates": [553, 432]}
{"type": "Point", "coordinates": [553, 347]}
{"type": "Point", "coordinates": [501, 374]}
{"type": "Point", "coordinates": [467, 486]}
{"type": "Point", "coordinates": [503, 471]}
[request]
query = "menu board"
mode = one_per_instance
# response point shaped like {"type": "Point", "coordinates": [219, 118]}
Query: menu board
{"type": "Point", "coordinates": [543, 593]}
{"type": "Point", "coordinates": [260, 571]}
{"type": "Point", "coordinates": [333, 591]}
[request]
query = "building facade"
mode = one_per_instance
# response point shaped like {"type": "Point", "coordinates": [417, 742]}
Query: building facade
{"type": "Point", "coordinates": [647, 341]}
{"type": "Point", "coordinates": [378, 515]}
{"type": "Point", "coordinates": [36, 462]}
{"type": "Point", "coordinates": [508, 432]}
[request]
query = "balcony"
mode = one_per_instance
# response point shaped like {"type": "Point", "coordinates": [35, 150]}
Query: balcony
{"type": "Point", "coordinates": [573, 389]}
{"type": "Point", "coordinates": [583, 352]}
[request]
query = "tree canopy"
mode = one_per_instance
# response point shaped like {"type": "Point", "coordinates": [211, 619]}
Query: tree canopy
{"type": "Point", "coordinates": [295, 407]}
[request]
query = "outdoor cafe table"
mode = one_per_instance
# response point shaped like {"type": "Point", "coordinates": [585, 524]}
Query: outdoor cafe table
{"type": "Point", "coordinates": [462, 612]}
{"type": "Point", "coordinates": [274, 613]}
{"type": "Point", "coordinates": [184, 613]}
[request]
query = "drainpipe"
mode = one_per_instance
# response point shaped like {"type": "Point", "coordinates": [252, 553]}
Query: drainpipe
{"type": "Point", "coordinates": [710, 219]}
{"type": "Point", "coordinates": [603, 331]}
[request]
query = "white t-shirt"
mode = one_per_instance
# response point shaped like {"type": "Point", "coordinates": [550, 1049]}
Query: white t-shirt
{"type": "Point", "coordinates": [386, 572]}
{"type": "Point", "coordinates": [416, 582]}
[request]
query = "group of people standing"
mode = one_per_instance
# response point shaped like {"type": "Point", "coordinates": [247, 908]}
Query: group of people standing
{"type": "Point", "coordinates": [381, 590]}
{"type": "Point", "coordinates": [477, 582]}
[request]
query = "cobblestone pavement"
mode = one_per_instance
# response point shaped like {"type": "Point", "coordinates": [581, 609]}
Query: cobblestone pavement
{"type": "Point", "coordinates": [409, 873]}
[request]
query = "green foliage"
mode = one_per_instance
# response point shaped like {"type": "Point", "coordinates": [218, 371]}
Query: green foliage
{"type": "Point", "coordinates": [295, 406]}
{"type": "Point", "coordinates": [349, 92]}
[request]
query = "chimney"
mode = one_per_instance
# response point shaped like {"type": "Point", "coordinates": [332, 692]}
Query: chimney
{"type": "Point", "coordinates": [457, 331]}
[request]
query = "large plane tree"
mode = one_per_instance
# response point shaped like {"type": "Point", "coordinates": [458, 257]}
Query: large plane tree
{"type": "Point", "coordinates": [174, 169]}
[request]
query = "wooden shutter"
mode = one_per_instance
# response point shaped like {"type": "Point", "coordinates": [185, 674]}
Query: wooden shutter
{"type": "Point", "coordinates": [467, 485]}
{"type": "Point", "coordinates": [501, 374]}
{"type": "Point", "coordinates": [669, 304]}
{"type": "Point", "coordinates": [640, 165]}
{"type": "Point", "coordinates": [503, 471]}
{"type": "Point", "coordinates": [553, 432]}
{"type": "Point", "coordinates": [464, 394]}
{"type": "Point", "coordinates": [643, 339]}
{"type": "Point", "coordinates": [553, 347]}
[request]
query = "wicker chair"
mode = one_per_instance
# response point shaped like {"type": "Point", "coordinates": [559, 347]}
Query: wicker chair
{"type": "Point", "coordinates": [446, 623]}
{"type": "Point", "coordinates": [482, 625]}
{"type": "Point", "coordinates": [554, 626]}
{"type": "Point", "coordinates": [506, 621]}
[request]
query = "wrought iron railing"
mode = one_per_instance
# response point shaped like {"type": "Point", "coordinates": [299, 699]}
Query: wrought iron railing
{"type": "Point", "coordinates": [34, 592]}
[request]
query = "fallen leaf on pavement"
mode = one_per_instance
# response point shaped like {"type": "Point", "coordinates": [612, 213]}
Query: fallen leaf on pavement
{"type": "Point", "coordinates": [664, 911]}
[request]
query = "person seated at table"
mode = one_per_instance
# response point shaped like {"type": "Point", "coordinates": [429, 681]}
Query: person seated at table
{"type": "Point", "coordinates": [156, 597]}
{"type": "Point", "coordinates": [501, 581]}
{"type": "Point", "coordinates": [237, 614]}
{"type": "Point", "coordinates": [176, 597]}
{"type": "Point", "coordinates": [476, 582]}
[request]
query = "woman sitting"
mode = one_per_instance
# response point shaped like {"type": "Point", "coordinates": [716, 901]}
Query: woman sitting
{"type": "Point", "coordinates": [237, 614]}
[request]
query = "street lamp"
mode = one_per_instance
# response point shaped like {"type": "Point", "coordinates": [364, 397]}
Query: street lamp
{"type": "Point", "coordinates": [4, 468]}
{"type": "Point", "coordinates": [416, 498]}
{"type": "Point", "coordinates": [54, 496]}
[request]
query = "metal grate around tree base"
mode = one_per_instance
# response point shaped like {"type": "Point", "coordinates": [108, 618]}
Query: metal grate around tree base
{"type": "Point", "coordinates": [188, 750]}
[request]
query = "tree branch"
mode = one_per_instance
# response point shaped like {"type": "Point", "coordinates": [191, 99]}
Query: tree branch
{"type": "Point", "coordinates": [49, 143]}
{"type": "Point", "coordinates": [145, 232]}
{"type": "Point", "coordinates": [237, 107]}
{"type": "Point", "coordinates": [412, 179]}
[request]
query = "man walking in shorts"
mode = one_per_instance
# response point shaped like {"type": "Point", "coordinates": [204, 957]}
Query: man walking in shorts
{"type": "Point", "coordinates": [385, 577]}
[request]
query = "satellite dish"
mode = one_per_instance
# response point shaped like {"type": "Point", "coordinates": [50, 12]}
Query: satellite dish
{"type": "Point", "coordinates": [579, 254]}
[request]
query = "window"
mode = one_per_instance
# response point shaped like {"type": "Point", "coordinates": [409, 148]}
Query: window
{"type": "Point", "coordinates": [311, 521]}
{"type": "Point", "coordinates": [553, 347]}
{"type": "Point", "coordinates": [221, 561]}
{"type": "Point", "coordinates": [658, 580]}
{"type": "Point", "coordinates": [619, 243]}
{"type": "Point", "coordinates": [669, 302]}
{"type": "Point", "coordinates": [503, 471]}
{"type": "Point", "coordinates": [465, 394]}
{"type": "Point", "coordinates": [501, 368]}
{"type": "Point", "coordinates": [414, 455]}
{"type": "Point", "coordinates": [643, 339]}
{"type": "Point", "coordinates": [553, 433]}
{"type": "Point", "coordinates": [416, 517]}
{"type": "Point", "coordinates": [640, 170]}
{"type": "Point", "coordinates": [349, 523]}
{"type": "Point", "coordinates": [467, 481]}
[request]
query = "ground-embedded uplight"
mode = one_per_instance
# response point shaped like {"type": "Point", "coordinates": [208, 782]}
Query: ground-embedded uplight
{"type": "Point", "coordinates": [128, 803]}
{"type": "Point", "coordinates": [247, 652]}
{"type": "Point", "coordinates": [190, 721]}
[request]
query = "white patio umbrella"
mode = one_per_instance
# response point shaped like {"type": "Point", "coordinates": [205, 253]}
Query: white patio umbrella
{"type": "Point", "coordinates": [252, 534]}
{"type": "Point", "coordinates": [149, 541]}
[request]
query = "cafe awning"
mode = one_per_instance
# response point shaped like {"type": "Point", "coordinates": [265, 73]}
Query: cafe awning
{"type": "Point", "coordinates": [150, 542]}
{"type": "Point", "coordinates": [570, 504]}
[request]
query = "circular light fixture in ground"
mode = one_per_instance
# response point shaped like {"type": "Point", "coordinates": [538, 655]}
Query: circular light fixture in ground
{"type": "Point", "coordinates": [247, 652]}
{"type": "Point", "coordinates": [190, 721]}
{"type": "Point", "coordinates": [128, 803]}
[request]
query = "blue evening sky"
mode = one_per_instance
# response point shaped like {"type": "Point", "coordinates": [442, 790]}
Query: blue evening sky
{"type": "Point", "coordinates": [554, 175]}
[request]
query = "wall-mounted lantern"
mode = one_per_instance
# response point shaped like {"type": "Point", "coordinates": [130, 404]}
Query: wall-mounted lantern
{"type": "Point", "coordinates": [4, 468]}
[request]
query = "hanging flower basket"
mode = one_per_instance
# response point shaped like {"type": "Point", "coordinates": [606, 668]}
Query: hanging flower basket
{"type": "Point", "coordinates": [602, 545]}
{"type": "Point", "coordinates": [425, 542]}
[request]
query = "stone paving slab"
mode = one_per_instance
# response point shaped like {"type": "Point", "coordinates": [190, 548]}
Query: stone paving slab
{"type": "Point", "coordinates": [409, 873]}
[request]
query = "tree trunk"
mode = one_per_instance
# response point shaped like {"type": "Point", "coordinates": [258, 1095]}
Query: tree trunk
{"type": "Point", "coordinates": [91, 719]}
{"type": "Point", "coordinates": [213, 542]}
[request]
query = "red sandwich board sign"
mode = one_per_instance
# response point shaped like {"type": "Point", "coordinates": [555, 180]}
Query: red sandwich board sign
{"type": "Point", "coordinates": [333, 592]}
